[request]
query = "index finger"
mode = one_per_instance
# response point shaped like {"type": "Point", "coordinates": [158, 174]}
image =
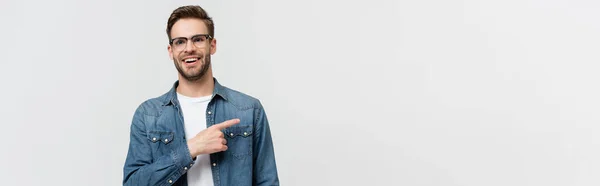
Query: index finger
{"type": "Point", "coordinates": [226, 124]}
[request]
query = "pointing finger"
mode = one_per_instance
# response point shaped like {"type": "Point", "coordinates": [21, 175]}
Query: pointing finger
{"type": "Point", "coordinates": [226, 124]}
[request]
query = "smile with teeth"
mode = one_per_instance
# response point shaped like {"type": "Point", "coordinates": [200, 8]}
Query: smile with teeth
{"type": "Point", "coordinates": [191, 60]}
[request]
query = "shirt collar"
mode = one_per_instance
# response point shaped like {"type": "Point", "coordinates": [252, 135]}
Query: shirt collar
{"type": "Point", "coordinates": [171, 96]}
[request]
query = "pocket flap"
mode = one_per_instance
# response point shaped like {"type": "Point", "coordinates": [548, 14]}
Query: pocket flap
{"type": "Point", "coordinates": [162, 136]}
{"type": "Point", "coordinates": [234, 131]}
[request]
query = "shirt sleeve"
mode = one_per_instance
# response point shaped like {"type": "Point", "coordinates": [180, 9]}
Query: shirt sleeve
{"type": "Point", "coordinates": [142, 169]}
{"type": "Point", "coordinates": [265, 169]}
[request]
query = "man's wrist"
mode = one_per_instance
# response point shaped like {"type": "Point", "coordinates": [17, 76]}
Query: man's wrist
{"type": "Point", "coordinates": [192, 151]}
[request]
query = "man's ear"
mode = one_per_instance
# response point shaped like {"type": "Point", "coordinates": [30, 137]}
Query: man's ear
{"type": "Point", "coordinates": [170, 51]}
{"type": "Point", "coordinates": [213, 46]}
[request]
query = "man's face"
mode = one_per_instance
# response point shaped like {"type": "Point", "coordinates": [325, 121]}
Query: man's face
{"type": "Point", "coordinates": [192, 55]}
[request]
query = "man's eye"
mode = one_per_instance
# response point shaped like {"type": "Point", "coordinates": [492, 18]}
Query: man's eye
{"type": "Point", "coordinates": [179, 42]}
{"type": "Point", "coordinates": [199, 39]}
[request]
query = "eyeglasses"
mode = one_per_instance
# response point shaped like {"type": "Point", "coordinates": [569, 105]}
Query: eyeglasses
{"type": "Point", "coordinates": [199, 41]}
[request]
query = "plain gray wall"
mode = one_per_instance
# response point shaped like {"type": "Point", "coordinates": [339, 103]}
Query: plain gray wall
{"type": "Point", "coordinates": [370, 92]}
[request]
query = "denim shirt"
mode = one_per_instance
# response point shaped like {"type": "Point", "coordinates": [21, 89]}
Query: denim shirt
{"type": "Point", "coordinates": [158, 152]}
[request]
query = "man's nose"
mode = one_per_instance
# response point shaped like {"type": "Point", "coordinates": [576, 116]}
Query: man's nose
{"type": "Point", "coordinates": [189, 47]}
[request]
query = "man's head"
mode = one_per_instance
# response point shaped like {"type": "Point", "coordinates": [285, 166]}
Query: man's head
{"type": "Point", "coordinates": [191, 41]}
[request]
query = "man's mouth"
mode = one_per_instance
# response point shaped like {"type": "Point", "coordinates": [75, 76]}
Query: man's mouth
{"type": "Point", "coordinates": [191, 60]}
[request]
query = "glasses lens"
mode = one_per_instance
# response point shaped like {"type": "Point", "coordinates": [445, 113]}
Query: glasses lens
{"type": "Point", "coordinates": [179, 43]}
{"type": "Point", "coordinates": [199, 41]}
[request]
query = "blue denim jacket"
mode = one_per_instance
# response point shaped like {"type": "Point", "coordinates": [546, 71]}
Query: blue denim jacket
{"type": "Point", "coordinates": [158, 152]}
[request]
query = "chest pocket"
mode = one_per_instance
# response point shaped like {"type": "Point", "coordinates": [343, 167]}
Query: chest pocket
{"type": "Point", "coordinates": [239, 141]}
{"type": "Point", "coordinates": [160, 137]}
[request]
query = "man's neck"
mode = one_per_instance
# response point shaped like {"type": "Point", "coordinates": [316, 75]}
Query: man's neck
{"type": "Point", "coordinates": [202, 87]}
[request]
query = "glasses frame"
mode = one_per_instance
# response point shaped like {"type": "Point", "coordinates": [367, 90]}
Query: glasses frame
{"type": "Point", "coordinates": [207, 36]}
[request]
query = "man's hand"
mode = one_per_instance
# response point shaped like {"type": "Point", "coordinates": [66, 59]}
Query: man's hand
{"type": "Point", "coordinates": [210, 140]}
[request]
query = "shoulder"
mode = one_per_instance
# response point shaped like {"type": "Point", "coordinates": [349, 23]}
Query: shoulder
{"type": "Point", "coordinates": [152, 106]}
{"type": "Point", "coordinates": [240, 99]}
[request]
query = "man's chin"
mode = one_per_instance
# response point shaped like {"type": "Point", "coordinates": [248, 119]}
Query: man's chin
{"type": "Point", "coordinates": [192, 77]}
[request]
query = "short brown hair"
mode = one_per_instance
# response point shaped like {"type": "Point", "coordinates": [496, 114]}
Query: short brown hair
{"type": "Point", "coordinates": [190, 11]}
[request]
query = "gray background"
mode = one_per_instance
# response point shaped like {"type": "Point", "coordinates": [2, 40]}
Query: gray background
{"type": "Point", "coordinates": [371, 92]}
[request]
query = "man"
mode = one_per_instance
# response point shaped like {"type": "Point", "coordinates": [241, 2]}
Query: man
{"type": "Point", "coordinates": [199, 133]}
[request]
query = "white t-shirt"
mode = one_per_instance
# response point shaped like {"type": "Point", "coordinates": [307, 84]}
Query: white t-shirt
{"type": "Point", "coordinates": [194, 119]}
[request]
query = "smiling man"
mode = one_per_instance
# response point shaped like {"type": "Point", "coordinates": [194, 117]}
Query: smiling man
{"type": "Point", "coordinates": [199, 133]}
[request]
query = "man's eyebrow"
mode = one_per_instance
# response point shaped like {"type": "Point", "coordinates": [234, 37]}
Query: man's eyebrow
{"type": "Point", "coordinates": [191, 36]}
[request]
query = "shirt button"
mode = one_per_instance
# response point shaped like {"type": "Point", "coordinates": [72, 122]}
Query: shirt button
{"type": "Point", "coordinates": [166, 140]}
{"type": "Point", "coordinates": [231, 134]}
{"type": "Point", "coordinates": [245, 133]}
{"type": "Point", "coordinates": [170, 181]}
{"type": "Point", "coordinates": [191, 164]}
{"type": "Point", "coordinates": [184, 168]}
{"type": "Point", "coordinates": [214, 164]}
{"type": "Point", "coordinates": [209, 112]}
{"type": "Point", "coordinates": [153, 139]}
